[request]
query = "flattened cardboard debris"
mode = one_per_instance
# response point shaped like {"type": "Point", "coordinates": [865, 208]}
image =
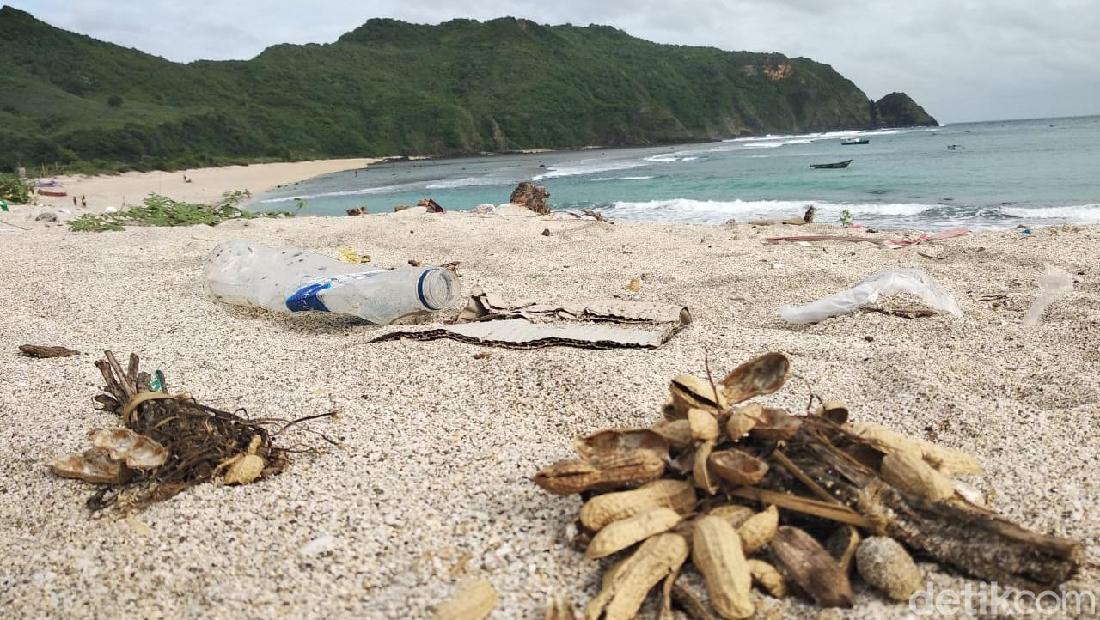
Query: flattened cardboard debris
{"type": "Point", "coordinates": [488, 320]}
{"type": "Point", "coordinates": [489, 307]}
{"type": "Point", "coordinates": [520, 333]}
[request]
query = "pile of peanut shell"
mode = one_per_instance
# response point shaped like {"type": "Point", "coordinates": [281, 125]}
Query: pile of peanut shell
{"type": "Point", "coordinates": [745, 494]}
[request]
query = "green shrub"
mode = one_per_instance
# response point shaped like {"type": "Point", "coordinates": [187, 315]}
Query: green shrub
{"type": "Point", "coordinates": [14, 189]}
{"type": "Point", "coordinates": [163, 211]}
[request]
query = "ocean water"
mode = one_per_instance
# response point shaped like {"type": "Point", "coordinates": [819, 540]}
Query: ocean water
{"type": "Point", "coordinates": [1000, 174]}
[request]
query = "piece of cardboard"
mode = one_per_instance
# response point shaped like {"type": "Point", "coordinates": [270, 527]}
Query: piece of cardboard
{"type": "Point", "coordinates": [487, 306]}
{"type": "Point", "coordinates": [489, 321]}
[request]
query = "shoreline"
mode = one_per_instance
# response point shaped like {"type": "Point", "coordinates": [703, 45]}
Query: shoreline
{"type": "Point", "coordinates": [206, 185]}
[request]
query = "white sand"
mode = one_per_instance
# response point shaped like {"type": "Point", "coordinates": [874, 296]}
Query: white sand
{"type": "Point", "coordinates": [207, 184]}
{"type": "Point", "coordinates": [432, 484]}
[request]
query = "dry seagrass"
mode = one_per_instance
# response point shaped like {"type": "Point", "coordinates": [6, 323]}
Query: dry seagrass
{"type": "Point", "coordinates": [168, 442]}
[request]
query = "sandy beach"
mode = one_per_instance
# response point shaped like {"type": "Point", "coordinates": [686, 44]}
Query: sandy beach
{"type": "Point", "coordinates": [204, 185]}
{"type": "Point", "coordinates": [431, 484]}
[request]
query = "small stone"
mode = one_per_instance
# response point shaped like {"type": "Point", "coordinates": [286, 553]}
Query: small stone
{"type": "Point", "coordinates": [545, 232]}
{"type": "Point", "coordinates": [46, 216]}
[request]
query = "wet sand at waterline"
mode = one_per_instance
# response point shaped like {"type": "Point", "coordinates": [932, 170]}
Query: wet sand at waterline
{"type": "Point", "coordinates": [431, 484]}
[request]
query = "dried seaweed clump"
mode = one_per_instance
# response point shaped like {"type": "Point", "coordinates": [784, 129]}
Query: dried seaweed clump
{"type": "Point", "coordinates": [167, 442]}
{"type": "Point", "coordinates": [748, 495]}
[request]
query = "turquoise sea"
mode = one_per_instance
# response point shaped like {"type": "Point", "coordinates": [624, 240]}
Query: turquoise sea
{"type": "Point", "coordinates": [999, 174]}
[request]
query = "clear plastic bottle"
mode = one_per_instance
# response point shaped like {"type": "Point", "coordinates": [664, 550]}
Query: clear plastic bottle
{"type": "Point", "coordinates": [243, 273]}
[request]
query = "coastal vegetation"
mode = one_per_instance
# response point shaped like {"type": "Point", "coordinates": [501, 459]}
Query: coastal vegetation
{"type": "Point", "coordinates": [388, 87]}
{"type": "Point", "coordinates": [14, 189]}
{"type": "Point", "coordinates": [159, 210]}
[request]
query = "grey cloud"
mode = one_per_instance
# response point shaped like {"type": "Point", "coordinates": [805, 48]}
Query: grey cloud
{"type": "Point", "coordinates": [961, 59]}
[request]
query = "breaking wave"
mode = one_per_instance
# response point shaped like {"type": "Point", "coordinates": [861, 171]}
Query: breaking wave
{"type": "Point", "coordinates": [582, 168]}
{"type": "Point", "coordinates": [718, 211]}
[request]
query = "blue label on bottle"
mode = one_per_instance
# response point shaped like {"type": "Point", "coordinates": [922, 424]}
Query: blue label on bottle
{"type": "Point", "coordinates": [305, 298]}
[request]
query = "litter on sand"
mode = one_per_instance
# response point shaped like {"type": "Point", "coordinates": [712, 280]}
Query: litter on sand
{"type": "Point", "coordinates": [523, 334]}
{"type": "Point", "coordinates": [289, 279]}
{"type": "Point", "coordinates": [168, 442]}
{"type": "Point", "coordinates": [488, 320]}
{"type": "Point", "coordinates": [1053, 284]}
{"type": "Point", "coordinates": [484, 306]}
{"type": "Point", "coordinates": [892, 244]}
{"type": "Point", "coordinates": [943, 234]}
{"type": "Point", "coordinates": [888, 282]}
{"type": "Point", "coordinates": [45, 351]}
{"type": "Point", "coordinates": [734, 495]}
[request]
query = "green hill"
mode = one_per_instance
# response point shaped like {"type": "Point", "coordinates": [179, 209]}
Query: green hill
{"type": "Point", "coordinates": [390, 87]}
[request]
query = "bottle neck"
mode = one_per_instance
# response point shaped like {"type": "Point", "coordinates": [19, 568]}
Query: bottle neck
{"type": "Point", "coordinates": [436, 288]}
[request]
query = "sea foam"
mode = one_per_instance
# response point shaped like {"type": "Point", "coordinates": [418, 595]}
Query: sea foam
{"type": "Point", "coordinates": [717, 211]}
{"type": "Point", "coordinates": [588, 167]}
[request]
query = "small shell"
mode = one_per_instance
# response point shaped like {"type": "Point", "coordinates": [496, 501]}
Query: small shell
{"type": "Point", "coordinates": [625, 586]}
{"type": "Point", "coordinates": [94, 465]}
{"type": "Point", "coordinates": [732, 514]}
{"type": "Point", "coordinates": [621, 534]}
{"type": "Point", "coordinates": [676, 432]}
{"type": "Point", "coordinates": [946, 460]}
{"type": "Point", "coordinates": [768, 577]}
{"type": "Point", "coordinates": [620, 470]}
{"type": "Point", "coordinates": [909, 472]}
{"type": "Point", "coordinates": [743, 419]}
{"type": "Point", "coordinates": [738, 467]}
{"type": "Point", "coordinates": [610, 507]}
{"type": "Point", "coordinates": [758, 530]}
{"type": "Point", "coordinates": [717, 555]}
{"type": "Point", "coordinates": [703, 424]}
{"type": "Point", "coordinates": [139, 451]}
{"type": "Point", "coordinates": [776, 425]}
{"type": "Point", "coordinates": [701, 469]}
{"type": "Point", "coordinates": [756, 377]}
{"type": "Point", "coordinates": [834, 411]}
{"type": "Point", "coordinates": [606, 442]}
{"type": "Point", "coordinates": [245, 469]}
{"type": "Point", "coordinates": [691, 392]}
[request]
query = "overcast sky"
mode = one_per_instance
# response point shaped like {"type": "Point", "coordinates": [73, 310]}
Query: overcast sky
{"type": "Point", "coordinates": [962, 59]}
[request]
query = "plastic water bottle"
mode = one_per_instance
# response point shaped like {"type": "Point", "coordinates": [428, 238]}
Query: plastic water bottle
{"type": "Point", "coordinates": [286, 279]}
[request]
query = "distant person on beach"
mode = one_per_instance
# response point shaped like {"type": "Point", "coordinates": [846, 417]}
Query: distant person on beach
{"type": "Point", "coordinates": [74, 201]}
{"type": "Point", "coordinates": [83, 202]}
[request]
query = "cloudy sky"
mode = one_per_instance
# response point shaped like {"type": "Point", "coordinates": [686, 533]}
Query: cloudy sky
{"type": "Point", "coordinates": [962, 59]}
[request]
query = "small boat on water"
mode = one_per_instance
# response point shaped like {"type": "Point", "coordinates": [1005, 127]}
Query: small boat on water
{"type": "Point", "coordinates": [835, 164]}
{"type": "Point", "coordinates": [855, 141]}
{"type": "Point", "coordinates": [55, 193]}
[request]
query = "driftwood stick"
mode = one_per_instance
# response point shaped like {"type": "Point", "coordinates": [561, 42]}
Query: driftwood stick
{"type": "Point", "coordinates": [974, 541]}
{"type": "Point", "coordinates": [804, 505]}
{"type": "Point", "coordinates": [797, 472]}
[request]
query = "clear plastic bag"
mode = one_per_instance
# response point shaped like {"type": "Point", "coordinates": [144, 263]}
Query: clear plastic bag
{"type": "Point", "coordinates": [887, 282]}
{"type": "Point", "coordinates": [1053, 284]}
